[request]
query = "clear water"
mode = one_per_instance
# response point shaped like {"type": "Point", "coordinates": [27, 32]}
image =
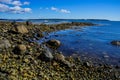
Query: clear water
{"type": "Point", "coordinates": [91, 42]}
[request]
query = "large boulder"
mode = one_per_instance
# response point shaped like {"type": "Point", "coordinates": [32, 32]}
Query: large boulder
{"type": "Point", "coordinates": [117, 43]}
{"type": "Point", "coordinates": [46, 55]}
{"type": "Point", "coordinates": [20, 29]}
{"type": "Point", "coordinates": [20, 49]}
{"type": "Point", "coordinates": [4, 43]}
{"type": "Point", "coordinates": [53, 43]}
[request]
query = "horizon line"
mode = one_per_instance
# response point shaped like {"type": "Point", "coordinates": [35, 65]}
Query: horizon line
{"type": "Point", "coordinates": [58, 18]}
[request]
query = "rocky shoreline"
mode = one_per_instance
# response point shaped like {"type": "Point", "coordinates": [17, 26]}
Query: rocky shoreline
{"type": "Point", "coordinates": [22, 58]}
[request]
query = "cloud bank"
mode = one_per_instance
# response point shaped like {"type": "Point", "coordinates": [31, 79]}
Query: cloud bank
{"type": "Point", "coordinates": [14, 6]}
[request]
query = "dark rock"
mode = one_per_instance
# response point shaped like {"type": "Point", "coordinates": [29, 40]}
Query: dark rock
{"type": "Point", "coordinates": [13, 23]}
{"type": "Point", "coordinates": [117, 67]}
{"type": "Point", "coordinates": [53, 43]}
{"type": "Point", "coordinates": [28, 23]}
{"type": "Point", "coordinates": [46, 54]}
{"type": "Point", "coordinates": [117, 43]}
{"type": "Point", "coordinates": [87, 64]}
{"type": "Point", "coordinates": [40, 34]}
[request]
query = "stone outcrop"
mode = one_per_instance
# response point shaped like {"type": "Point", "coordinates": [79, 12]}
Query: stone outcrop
{"type": "Point", "coordinates": [54, 43]}
{"type": "Point", "coordinates": [117, 43]}
{"type": "Point", "coordinates": [20, 29]}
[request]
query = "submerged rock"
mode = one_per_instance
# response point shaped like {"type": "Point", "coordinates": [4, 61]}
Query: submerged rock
{"type": "Point", "coordinates": [53, 43]}
{"type": "Point", "coordinates": [4, 43]}
{"type": "Point", "coordinates": [117, 43]}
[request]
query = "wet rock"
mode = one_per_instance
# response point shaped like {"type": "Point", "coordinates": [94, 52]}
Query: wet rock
{"type": "Point", "coordinates": [67, 63]}
{"type": "Point", "coordinates": [40, 34]}
{"type": "Point", "coordinates": [46, 54]}
{"type": "Point", "coordinates": [87, 64]}
{"type": "Point", "coordinates": [53, 43]}
{"type": "Point", "coordinates": [117, 67]}
{"type": "Point", "coordinates": [21, 48]}
{"type": "Point", "coordinates": [59, 57]}
{"type": "Point", "coordinates": [28, 23]}
{"type": "Point", "coordinates": [5, 43]}
{"type": "Point", "coordinates": [117, 43]}
{"type": "Point", "coordinates": [13, 22]}
{"type": "Point", "coordinates": [20, 29]}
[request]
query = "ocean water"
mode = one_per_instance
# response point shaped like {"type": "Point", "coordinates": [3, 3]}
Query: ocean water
{"type": "Point", "coordinates": [91, 43]}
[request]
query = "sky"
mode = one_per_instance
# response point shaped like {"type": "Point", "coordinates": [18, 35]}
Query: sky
{"type": "Point", "coordinates": [62, 9]}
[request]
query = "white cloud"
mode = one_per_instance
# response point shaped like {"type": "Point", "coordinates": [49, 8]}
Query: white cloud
{"type": "Point", "coordinates": [27, 9]}
{"type": "Point", "coordinates": [6, 1]}
{"type": "Point", "coordinates": [64, 11]}
{"type": "Point", "coordinates": [26, 3]}
{"type": "Point", "coordinates": [54, 8]}
{"type": "Point", "coordinates": [16, 3]}
{"type": "Point", "coordinates": [14, 6]}
{"type": "Point", "coordinates": [3, 8]}
{"type": "Point", "coordinates": [60, 10]}
{"type": "Point", "coordinates": [18, 9]}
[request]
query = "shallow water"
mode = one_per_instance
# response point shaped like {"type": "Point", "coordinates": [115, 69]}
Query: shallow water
{"type": "Point", "coordinates": [91, 42]}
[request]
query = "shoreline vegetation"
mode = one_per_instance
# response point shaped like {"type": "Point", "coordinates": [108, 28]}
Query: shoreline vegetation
{"type": "Point", "coordinates": [21, 58]}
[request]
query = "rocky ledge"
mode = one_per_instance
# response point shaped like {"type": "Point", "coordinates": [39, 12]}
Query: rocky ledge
{"type": "Point", "coordinates": [22, 58]}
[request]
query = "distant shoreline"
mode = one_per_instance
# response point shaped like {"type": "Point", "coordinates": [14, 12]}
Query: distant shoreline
{"type": "Point", "coordinates": [60, 19]}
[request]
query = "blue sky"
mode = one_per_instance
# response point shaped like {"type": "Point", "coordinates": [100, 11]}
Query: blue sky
{"type": "Point", "coordinates": [66, 9]}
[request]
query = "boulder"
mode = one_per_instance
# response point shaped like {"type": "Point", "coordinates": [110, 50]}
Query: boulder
{"type": "Point", "coordinates": [20, 29]}
{"type": "Point", "coordinates": [28, 23]}
{"type": "Point", "coordinates": [53, 43]}
{"type": "Point", "coordinates": [5, 43]}
{"type": "Point", "coordinates": [46, 55]}
{"type": "Point", "coordinates": [59, 57]}
{"type": "Point", "coordinates": [117, 43]}
{"type": "Point", "coordinates": [87, 64]}
{"type": "Point", "coordinates": [68, 64]}
{"type": "Point", "coordinates": [40, 34]}
{"type": "Point", "coordinates": [20, 49]}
